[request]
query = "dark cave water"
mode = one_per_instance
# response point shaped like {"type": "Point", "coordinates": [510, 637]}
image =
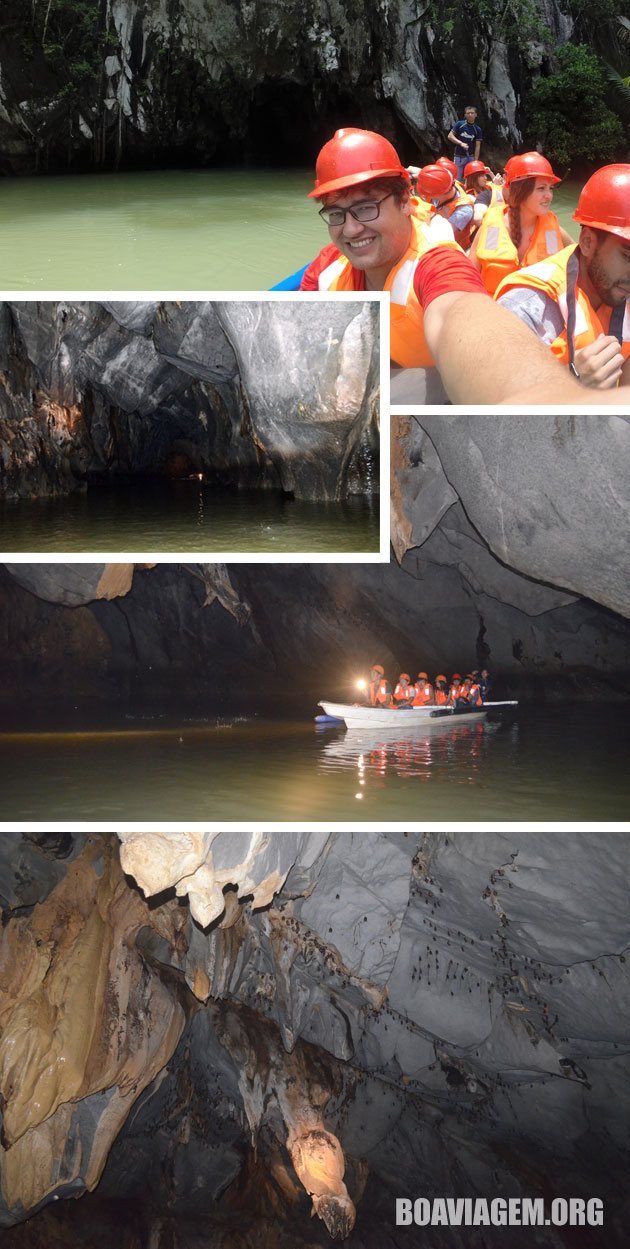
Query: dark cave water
{"type": "Point", "coordinates": [187, 516]}
{"type": "Point", "coordinates": [168, 230]}
{"type": "Point", "coordinates": [562, 763]}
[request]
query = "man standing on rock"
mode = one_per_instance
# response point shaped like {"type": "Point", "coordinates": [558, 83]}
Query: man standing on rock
{"type": "Point", "coordinates": [467, 137]}
{"type": "Point", "coordinates": [578, 300]}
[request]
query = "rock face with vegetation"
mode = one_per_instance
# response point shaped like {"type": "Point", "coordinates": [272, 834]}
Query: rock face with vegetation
{"type": "Point", "coordinates": [319, 1023]}
{"type": "Point", "coordinates": [256, 394]}
{"type": "Point", "coordinates": [114, 83]}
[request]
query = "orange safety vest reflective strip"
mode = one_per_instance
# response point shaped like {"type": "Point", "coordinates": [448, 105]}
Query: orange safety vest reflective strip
{"type": "Point", "coordinates": [408, 345]}
{"type": "Point", "coordinates": [497, 254]}
{"type": "Point", "coordinates": [558, 277]}
{"type": "Point", "coordinates": [379, 692]}
{"type": "Point", "coordinates": [423, 694]}
{"type": "Point", "coordinates": [403, 692]}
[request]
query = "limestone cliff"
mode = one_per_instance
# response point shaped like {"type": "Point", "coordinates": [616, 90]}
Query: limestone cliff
{"type": "Point", "coordinates": [189, 81]}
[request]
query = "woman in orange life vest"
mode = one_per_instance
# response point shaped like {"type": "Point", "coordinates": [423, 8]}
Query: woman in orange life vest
{"type": "Point", "coordinates": [379, 692]}
{"type": "Point", "coordinates": [437, 184]}
{"type": "Point", "coordinates": [441, 692]}
{"type": "Point", "coordinates": [404, 692]}
{"type": "Point", "coordinates": [523, 230]}
{"type": "Point", "coordinates": [423, 691]}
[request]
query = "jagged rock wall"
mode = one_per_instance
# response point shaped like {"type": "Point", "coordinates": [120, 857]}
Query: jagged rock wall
{"type": "Point", "coordinates": [430, 1013]}
{"type": "Point", "coordinates": [227, 82]}
{"type": "Point", "coordinates": [277, 635]}
{"type": "Point", "coordinates": [280, 395]}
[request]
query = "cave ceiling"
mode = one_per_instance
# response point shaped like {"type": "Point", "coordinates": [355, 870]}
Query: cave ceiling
{"type": "Point", "coordinates": [258, 1027]}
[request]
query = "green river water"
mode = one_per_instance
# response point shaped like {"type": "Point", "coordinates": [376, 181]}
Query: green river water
{"type": "Point", "coordinates": [187, 516]}
{"type": "Point", "coordinates": [174, 230]}
{"type": "Point", "coordinates": [547, 764]}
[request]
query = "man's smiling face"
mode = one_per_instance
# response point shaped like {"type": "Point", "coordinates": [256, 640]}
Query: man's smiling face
{"type": "Point", "coordinates": [372, 246]}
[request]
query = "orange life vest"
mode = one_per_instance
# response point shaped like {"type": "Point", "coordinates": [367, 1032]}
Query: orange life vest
{"type": "Point", "coordinates": [558, 277]}
{"type": "Point", "coordinates": [496, 252]}
{"type": "Point", "coordinates": [403, 693]}
{"type": "Point", "coordinates": [496, 192]}
{"type": "Point", "coordinates": [408, 345]}
{"type": "Point", "coordinates": [441, 697]}
{"type": "Point", "coordinates": [446, 210]}
{"type": "Point", "coordinates": [423, 694]}
{"type": "Point", "coordinates": [475, 696]}
{"type": "Point", "coordinates": [423, 209]}
{"type": "Point", "coordinates": [379, 693]}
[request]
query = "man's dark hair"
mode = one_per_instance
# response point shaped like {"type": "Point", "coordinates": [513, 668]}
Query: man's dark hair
{"type": "Point", "coordinates": [473, 106]}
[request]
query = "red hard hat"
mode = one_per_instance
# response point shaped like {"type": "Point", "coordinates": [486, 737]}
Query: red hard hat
{"type": "Point", "coordinates": [378, 668]}
{"type": "Point", "coordinates": [352, 157]}
{"type": "Point", "coordinates": [404, 676]}
{"type": "Point", "coordinates": [528, 165]}
{"type": "Point", "coordinates": [423, 675]}
{"type": "Point", "coordinates": [434, 180]}
{"type": "Point", "coordinates": [440, 678]}
{"type": "Point", "coordinates": [604, 201]}
{"type": "Point", "coordinates": [456, 677]}
{"type": "Point", "coordinates": [448, 164]}
{"type": "Point", "coordinates": [474, 166]}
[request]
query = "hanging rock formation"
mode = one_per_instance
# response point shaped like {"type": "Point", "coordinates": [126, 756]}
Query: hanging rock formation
{"type": "Point", "coordinates": [549, 495]}
{"type": "Point", "coordinates": [191, 637]}
{"type": "Point", "coordinates": [275, 395]}
{"type": "Point", "coordinates": [409, 1015]}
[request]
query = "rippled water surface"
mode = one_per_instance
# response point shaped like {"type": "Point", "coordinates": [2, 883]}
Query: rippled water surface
{"type": "Point", "coordinates": [557, 764]}
{"type": "Point", "coordinates": [177, 230]}
{"type": "Point", "coordinates": [187, 516]}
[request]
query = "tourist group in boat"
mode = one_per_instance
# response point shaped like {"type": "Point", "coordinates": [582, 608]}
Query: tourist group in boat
{"type": "Point", "coordinates": [476, 261]}
{"type": "Point", "coordinates": [460, 692]}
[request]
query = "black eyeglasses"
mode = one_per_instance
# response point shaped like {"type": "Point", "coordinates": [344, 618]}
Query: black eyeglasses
{"type": "Point", "coordinates": [361, 212]}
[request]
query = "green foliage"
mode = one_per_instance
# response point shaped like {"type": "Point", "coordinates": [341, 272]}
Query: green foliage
{"type": "Point", "coordinates": [73, 40]}
{"type": "Point", "coordinates": [568, 113]}
{"type": "Point", "coordinates": [516, 22]}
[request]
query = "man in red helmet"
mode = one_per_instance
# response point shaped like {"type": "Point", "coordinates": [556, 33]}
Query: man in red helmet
{"type": "Point", "coordinates": [378, 243]}
{"type": "Point", "coordinates": [437, 183]}
{"type": "Point", "coordinates": [578, 300]}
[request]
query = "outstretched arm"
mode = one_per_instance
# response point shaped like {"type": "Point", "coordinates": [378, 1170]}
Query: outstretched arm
{"type": "Point", "coordinates": [511, 365]}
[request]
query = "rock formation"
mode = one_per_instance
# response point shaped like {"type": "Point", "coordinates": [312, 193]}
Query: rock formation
{"type": "Point", "coordinates": [205, 637]}
{"type": "Point", "coordinates": [259, 394]}
{"type": "Point", "coordinates": [240, 83]}
{"type": "Point", "coordinates": [409, 1014]}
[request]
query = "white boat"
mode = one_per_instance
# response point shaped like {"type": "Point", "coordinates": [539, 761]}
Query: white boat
{"type": "Point", "coordinates": [357, 716]}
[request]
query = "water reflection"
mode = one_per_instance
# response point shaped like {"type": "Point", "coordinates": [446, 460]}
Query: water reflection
{"type": "Point", "coordinates": [552, 765]}
{"type": "Point", "coordinates": [439, 752]}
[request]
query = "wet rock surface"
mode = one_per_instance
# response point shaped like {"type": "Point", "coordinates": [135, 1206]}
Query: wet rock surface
{"type": "Point", "coordinates": [411, 1014]}
{"type": "Point", "coordinates": [280, 396]}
